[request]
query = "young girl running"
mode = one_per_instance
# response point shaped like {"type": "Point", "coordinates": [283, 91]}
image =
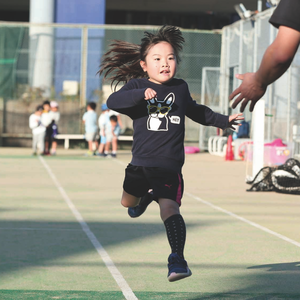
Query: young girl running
{"type": "Point", "coordinates": [157, 103]}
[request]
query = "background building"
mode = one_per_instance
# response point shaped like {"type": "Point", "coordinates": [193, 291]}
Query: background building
{"type": "Point", "coordinates": [192, 14]}
{"type": "Point", "coordinates": [55, 54]}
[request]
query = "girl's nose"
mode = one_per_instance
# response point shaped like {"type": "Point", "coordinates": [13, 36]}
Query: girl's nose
{"type": "Point", "coordinates": [165, 64]}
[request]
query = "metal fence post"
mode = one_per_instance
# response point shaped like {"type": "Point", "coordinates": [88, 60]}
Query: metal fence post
{"type": "Point", "coordinates": [83, 74]}
{"type": "Point", "coordinates": [1, 119]}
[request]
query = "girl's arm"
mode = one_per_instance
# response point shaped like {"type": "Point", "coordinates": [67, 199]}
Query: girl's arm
{"type": "Point", "coordinates": [203, 114]}
{"type": "Point", "coordinates": [127, 97]}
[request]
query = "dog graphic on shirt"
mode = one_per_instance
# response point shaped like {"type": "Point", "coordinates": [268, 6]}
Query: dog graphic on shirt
{"type": "Point", "coordinates": [158, 113]}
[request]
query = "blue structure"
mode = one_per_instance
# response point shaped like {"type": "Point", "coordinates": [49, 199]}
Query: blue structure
{"type": "Point", "coordinates": [67, 65]}
{"type": "Point", "coordinates": [80, 11]}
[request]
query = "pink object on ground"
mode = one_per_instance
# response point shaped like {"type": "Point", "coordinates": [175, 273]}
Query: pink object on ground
{"type": "Point", "coordinates": [190, 150]}
{"type": "Point", "coordinates": [276, 143]}
{"type": "Point", "coordinates": [276, 153]}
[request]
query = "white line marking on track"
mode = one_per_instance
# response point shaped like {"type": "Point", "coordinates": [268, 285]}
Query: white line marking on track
{"type": "Point", "coordinates": [39, 229]}
{"type": "Point", "coordinates": [126, 290]}
{"type": "Point", "coordinates": [265, 229]}
{"type": "Point", "coordinates": [280, 236]}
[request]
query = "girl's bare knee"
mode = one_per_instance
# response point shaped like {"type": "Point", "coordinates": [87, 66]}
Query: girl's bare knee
{"type": "Point", "coordinates": [129, 200]}
{"type": "Point", "coordinates": [125, 203]}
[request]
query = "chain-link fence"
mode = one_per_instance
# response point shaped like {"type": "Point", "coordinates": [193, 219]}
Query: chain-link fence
{"type": "Point", "coordinates": [60, 62]}
{"type": "Point", "coordinates": [243, 46]}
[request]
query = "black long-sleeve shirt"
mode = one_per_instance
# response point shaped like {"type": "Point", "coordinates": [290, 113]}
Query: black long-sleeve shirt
{"type": "Point", "coordinates": [158, 124]}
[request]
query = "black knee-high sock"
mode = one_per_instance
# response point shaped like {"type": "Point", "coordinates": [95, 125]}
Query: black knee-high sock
{"type": "Point", "coordinates": [176, 232]}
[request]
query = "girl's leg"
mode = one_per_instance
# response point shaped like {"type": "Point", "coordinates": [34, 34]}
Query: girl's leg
{"type": "Point", "coordinates": [176, 233]}
{"type": "Point", "coordinates": [135, 212]}
{"type": "Point", "coordinates": [174, 223]}
{"type": "Point", "coordinates": [168, 208]}
{"type": "Point", "coordinates": [129, 200]}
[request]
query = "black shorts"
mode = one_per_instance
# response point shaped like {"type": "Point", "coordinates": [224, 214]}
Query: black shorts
{"type": "Point", "coordinates": [164, 183]}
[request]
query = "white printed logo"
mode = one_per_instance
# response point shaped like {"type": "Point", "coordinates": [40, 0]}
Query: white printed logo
{"type": "Point", "coordinates": [175, 119]}
{"type": "Point", "coordinates": [158, 111]}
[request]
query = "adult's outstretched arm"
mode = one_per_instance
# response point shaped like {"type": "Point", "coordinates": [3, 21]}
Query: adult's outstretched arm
{"type": "Point", "coordinates": [275, 62]}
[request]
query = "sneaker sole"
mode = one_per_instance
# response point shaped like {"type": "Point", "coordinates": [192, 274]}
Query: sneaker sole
{"type": "Point", "coordinates": [133, 214]}
{"type": "Point", "coordinates": [177, 276]}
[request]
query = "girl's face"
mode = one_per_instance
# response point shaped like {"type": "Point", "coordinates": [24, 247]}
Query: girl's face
{"type": "Point", "coordinates": [160, 63]}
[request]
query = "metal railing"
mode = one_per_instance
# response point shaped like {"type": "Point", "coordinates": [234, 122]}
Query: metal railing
{"type": "Point", "coordinates": [60, 62]}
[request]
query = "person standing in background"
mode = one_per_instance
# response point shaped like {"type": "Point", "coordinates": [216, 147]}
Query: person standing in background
{"type": "Point", "coordinates": [103, 123]}
{"type": "Point", "coordinates": [55, 116]}
{"type": "Point", "coordinates": [46, 121]}
{"type": "Point", "coordinates": [38, 131]}
{"type": "Point", "coordinates": [91, 129]}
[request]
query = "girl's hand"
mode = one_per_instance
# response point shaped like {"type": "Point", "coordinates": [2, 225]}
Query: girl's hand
{"type": "Point", "coordinates": [233, 120]}
{"type": "Point", "coordinates": [149, 94]}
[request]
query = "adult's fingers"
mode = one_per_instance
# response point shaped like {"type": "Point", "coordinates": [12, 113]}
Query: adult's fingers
{"type": "Point", "coordinates": [239, 76]}
{"type": "Point", "coordinates": [252, 105]}
{"type": "Point", "coordinates": [234, 93]}
{"type": "Point", "coordinates": [237, 101]}
{"type": "Point", "coordinates": [244, 104]}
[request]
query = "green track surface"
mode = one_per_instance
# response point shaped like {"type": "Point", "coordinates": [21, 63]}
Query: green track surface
{"type": "Point", "coordinates": [65, 295]}
{"type": "Point", "coordinates": [45, 254]}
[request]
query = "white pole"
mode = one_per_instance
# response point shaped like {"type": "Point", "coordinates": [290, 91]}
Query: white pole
{"type": "Point", "coordinates": [258, 120]}
{"type": "Point", "coordinates": [289, 99]}
{"type": "Point", "coordinates": [259, 5]}
{"type": "Point", "coordinates": [41, 45]}
{"type": "Point", "coordinates": [227, 73]}
{"type": "Point", "coordinates": [241, 56]}
{"type": "Point", "coordinates": [201, 131]}
{"type": "Point", "coordinates": [83, 75]}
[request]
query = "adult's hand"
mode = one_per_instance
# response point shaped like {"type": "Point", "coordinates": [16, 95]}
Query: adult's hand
{"type": "Point", "coordinates": [249, 90]}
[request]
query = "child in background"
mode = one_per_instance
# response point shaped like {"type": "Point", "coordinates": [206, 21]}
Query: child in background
{"type": "Point", "coordinates": [103, 123]}
{"type": "Point", "coordinates": [46, 120]}
{"type": "Point", "coordinates": [38, 131]}
{"type": "Point", "coordinates": [114, 142]}
{"type": "Point", "coordinates": [157, 103]}
{"type": "Point", "coordinates": [112, 134]}
{"type": "Point", "coordinates": [90, 120]}
{"type": "Point", "coordinates": [55, 116]}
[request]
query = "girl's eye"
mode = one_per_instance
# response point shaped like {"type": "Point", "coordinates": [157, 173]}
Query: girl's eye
{"type": "Point", "coordinates": [156, 59]}
{"type": "Point", "coordinates": [171, 58]}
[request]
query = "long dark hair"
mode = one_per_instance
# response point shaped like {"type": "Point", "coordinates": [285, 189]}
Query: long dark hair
{"type": "Point", "coordinates": [122, 62]}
